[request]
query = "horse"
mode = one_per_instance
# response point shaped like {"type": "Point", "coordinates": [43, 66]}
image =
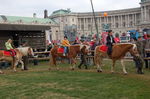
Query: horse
{"type": "Point", "coordinates": [25, 51]}
{"type": "Point", "coordinates": [20, 52]}
{"type": "Point", "coordinates": [74, 50]}
{"type": "Point", "coordinates": [6, 56]}
{"type": "Point", "coordinates": [118, 53]}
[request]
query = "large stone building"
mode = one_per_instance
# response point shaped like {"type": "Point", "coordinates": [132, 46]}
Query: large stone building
{"type": "Point", "coordinates": [119, 21]}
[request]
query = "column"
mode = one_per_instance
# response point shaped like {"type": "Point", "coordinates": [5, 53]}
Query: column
{"type": "Point", "coordinates": [111, 21]}
{"type": "Point", "coordinates": [145, 11]}
{"type": "Point", "coordinates": [114, 22]}
{"type": "Point", "coordinates": [142, 13]}
{"type": "Point", "coordinates": [135, 19]}
{"type": "Point", "coordinates": [128, 21]}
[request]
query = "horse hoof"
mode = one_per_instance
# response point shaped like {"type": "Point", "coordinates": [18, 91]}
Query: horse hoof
{"type": "Point", "coordinates": [125, 73]}
{"type": "Point", "coordinates": [99, 71]}
{"type": "Point", "coordinates": [112, 72]}
{"type": "Point", "coordinates": [72, 69]}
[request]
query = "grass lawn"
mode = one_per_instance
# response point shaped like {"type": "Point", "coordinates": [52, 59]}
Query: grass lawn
{"type": "Point", "coordinates": [39, 83]}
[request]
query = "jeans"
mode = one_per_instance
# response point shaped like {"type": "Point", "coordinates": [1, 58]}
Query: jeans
{"type": "Point", "coordinates": [65, 49]}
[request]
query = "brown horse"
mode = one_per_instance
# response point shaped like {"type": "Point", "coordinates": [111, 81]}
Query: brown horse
{"type": "Point", "coordinates": [20, 52]}
{"type": "Point", "coordinates": [74, 50]}
{"type": "Point", "coordinates": [118, 53]}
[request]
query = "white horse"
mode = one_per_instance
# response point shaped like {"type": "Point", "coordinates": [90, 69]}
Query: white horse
{"type": "Point", "coordinates": [25, 51]}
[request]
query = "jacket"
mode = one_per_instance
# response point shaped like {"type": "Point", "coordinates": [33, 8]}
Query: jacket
{"type": "Point", "coordinates": [110, 40]}
{"type": "Point", "coordinates": [65, 43]}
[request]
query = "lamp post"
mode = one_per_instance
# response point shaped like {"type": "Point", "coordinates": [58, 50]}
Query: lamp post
{"type": "Point", "coordinates": [95, 20]}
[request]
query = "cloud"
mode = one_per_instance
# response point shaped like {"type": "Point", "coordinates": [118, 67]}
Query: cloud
{"type": "Point", "coordinates": [28, 7]}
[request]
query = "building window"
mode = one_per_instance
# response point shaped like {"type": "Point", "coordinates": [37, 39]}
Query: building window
{"type": "Point", "coordinates": [73, 20]}
{"type": "Point", "coordinates": [89, 27]}
{"type": "Point", "coordinates": [117, 25]}
{"type": "Point", "coordinates": [124, 24]}
{"type": "Point", "coordinates": [109, 19]}
{"type": "Point", "coordinates": [116, 18]}
{"type": "Point", "coordinates": [102, 19]}
{"type": "Point", "coordinates": [130, 16]}
{"type": "Point", "coordinates": [82, 27]}
{"type": "Point", "coordinates": [89, 20]}
{"type": "Point", "coordinates": [131, 24]}
{"type": "Point", "coordinates": [82, 20]}
{"type": "Point", "coordinates": [109, 25]}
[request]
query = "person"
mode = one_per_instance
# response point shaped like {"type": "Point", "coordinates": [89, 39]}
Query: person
{"type": "Point", "coordinates": [117, 39]}
{"type": "Point", "coordinates": [9, 47]}
{"type": "Point", "coordinates": [65, 43]}
{"type": "Point", "coordinates": [140, 48]}
{"type": "Point", "coordinates": [83, 57]}
{"type": "Point", "coordinates": [147, 47]}
{"type": "Point", "coordinates": [110, 42]}
{"type": "Point", "coordinates": [25, 58]}
{"type": "Point", "coordinates": [75, 42]}
{"type": "Point", "coordinates": [145, 35]}
{"type": "Point", "coordinates": [49, 46]}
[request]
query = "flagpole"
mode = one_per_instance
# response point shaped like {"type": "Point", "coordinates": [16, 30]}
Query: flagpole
{"type": "Point", "coordinates": [95, 20]}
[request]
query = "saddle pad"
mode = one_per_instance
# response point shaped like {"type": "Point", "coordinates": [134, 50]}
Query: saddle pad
{"type": "Point", "coordinates": [60, 50]}
{"type": "Point", "coordinates": [7, 53]}
{"type": "Point", "coordinates": [103, 48]}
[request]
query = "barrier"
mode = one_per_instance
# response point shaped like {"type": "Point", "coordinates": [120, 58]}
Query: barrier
{"type": "Point", "coordinates": [45, 55]}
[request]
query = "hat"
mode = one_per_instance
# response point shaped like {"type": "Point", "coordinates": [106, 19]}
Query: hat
{"type": "Point", "coordinates": [109, 31]}
{"type": "Point", "coordinates": [65, 37]}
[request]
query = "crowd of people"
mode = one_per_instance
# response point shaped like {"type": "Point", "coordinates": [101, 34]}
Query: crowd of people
{"type": "Point", "coordinates": [142, 42]}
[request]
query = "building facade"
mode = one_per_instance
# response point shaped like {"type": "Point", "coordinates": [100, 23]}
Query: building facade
{"type": "Point", "coordinates": [120, 21]}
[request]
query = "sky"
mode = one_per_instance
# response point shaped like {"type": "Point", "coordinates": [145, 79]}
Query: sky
{"type": "Point", "coordinates": [28, 7]}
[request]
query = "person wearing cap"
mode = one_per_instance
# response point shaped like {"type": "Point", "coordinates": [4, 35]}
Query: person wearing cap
{"type": "Point", "coordinates": [65, 43]}
{"type": "Point", "coordinates": [140, 48]}
{"type": "Point", "coordinates": [110, 41]}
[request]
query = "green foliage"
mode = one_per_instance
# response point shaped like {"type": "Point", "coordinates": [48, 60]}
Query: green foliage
{"type": "Point", "coordinates": [39, 83]}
